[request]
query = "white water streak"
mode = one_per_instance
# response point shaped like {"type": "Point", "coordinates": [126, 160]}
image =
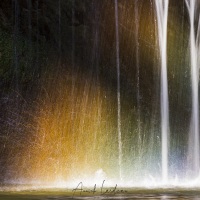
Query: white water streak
{"type": "Point", "coordinates": [137, 64]}
{"type": "Point", "coordinates": [118, 91]}
{"type": "Point", "coordinates": [162, 16]}
{"type": "Point", "coordinates": [59, 26]}
{"type": "Point", "coordinates": [194, 56]}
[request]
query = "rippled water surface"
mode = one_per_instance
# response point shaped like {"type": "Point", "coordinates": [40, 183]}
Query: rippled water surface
{"type": "Point", "coordinates": [61, 194]}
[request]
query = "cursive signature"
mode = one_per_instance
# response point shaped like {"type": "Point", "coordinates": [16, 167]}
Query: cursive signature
{"type": "Point", "coordinates": [100, 191]}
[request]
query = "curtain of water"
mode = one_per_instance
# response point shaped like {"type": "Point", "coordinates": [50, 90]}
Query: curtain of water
{"type": "Point", "coordinates": [59, 27]}
{"type": "Point", "coordinates": [37, 33]}
{"type": "Point", "coordinates": [118, 90]}
{"type": "Point", "coordinates": [162, 15]}
{"type": "Point", "coordinates": [72, 74]}
{"type": "Point", "coordinates": [15, 42]}
{"type": "Point", "coordinates": [95, 58]}
{"type": "Point", "coordinates": [29, 6]}
{"type": "Point", "coordinates": [137, 65]}
{"type": "Point", "coordinates": [73, 47]}
{"type": "Point", "coordinates": [194, 54]}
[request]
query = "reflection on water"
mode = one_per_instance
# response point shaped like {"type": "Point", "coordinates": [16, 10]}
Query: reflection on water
{"type": "Point", "coordinates": [60, 197]}
{"type": "Point", "coordinates": [31, 193]}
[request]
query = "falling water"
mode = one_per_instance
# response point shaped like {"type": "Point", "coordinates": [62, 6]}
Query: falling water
{"type": "Point", "coordinates": [37, 32]}
{"type": "Point", "coordinates": [59, 26]}
{"type": "Point", "coordinates": [15, 42]}
{"type": "Point", "coordinates": [73, 69]}
{"type": "Point", "coordinates": [73, 46]}
{"type": "Point", "coordinates": [73, 55]}
{"type": "Point", "coordinates": [194, 54]}
{"type": "Point", "coordinates": [118, 90]}
{"type": "Point", "coordinates": [137, 64]}
{"type": "Point", "coordinates": [162, 15]}
{"type": "Point", "coordinates": [29, 23]}
{"type": "Point", "coordinates": [76, 113]}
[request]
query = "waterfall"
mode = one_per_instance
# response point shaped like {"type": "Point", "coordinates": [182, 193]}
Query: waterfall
{"type": "Point", "coordinates": [162, 15]}
{"type": "Point", "coordinates": [37, 32]}
{"type": "Point", "coordinates": [194, 54]}
{"type": "Point", "coordinates": [137, 65]}
{"type": "Point", "coordinates": [59, 27]}
{"type": "Point", "coordinates": [99, 108]}
{"type": "Point", "coordinates": [118, 90]}
{"type": "Point", "coordinates": [15, 5]}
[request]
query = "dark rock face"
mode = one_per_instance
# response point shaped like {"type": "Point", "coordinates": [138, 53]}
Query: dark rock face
{"type": "Point", "coordinates": [41, 18]}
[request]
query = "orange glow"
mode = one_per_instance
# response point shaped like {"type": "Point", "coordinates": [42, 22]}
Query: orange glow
{"type": "Point", "coordinates": [72, 131]}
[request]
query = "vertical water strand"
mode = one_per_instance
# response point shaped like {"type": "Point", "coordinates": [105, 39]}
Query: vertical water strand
{"type": "Point", "coordinates": [73, 80]}
{"type": "Point", "coordinates": [15, 65]}
{"type": "Point", "coordinates": [60, 167]}
{"type": "Point", "coordinates": [73, 48]}
{"type": "Point", "coordinates": [194, 50]}
{"type": "Point", "coordinates": [137, 61]}
{"type": "Point", "coordinates": [95, 60]}
{"type": "Point", "coordinates": [59, 28]}
{"type": "Point", "coordinates": [137, 68]}
{"type": "Point", "coordinates": [162, 15]}
{"type": "Point", "coordinates": [37, 34]}
{"type": "Point", "coordinates": [96, 36]}
{"type": "Point", "coordinates": [15, 44]}
{"type": "Point", "coordinates": [118, 91]}
{"type": "Point", "coordinates": [29, 6]}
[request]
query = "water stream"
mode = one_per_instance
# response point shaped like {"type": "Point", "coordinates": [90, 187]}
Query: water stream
{"type": "Point", "coordinates": [162, 16]}
{"type": "Point", "coordinates": [101, 93]}
{"type": "Point", "coordinates": [194, 59]}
